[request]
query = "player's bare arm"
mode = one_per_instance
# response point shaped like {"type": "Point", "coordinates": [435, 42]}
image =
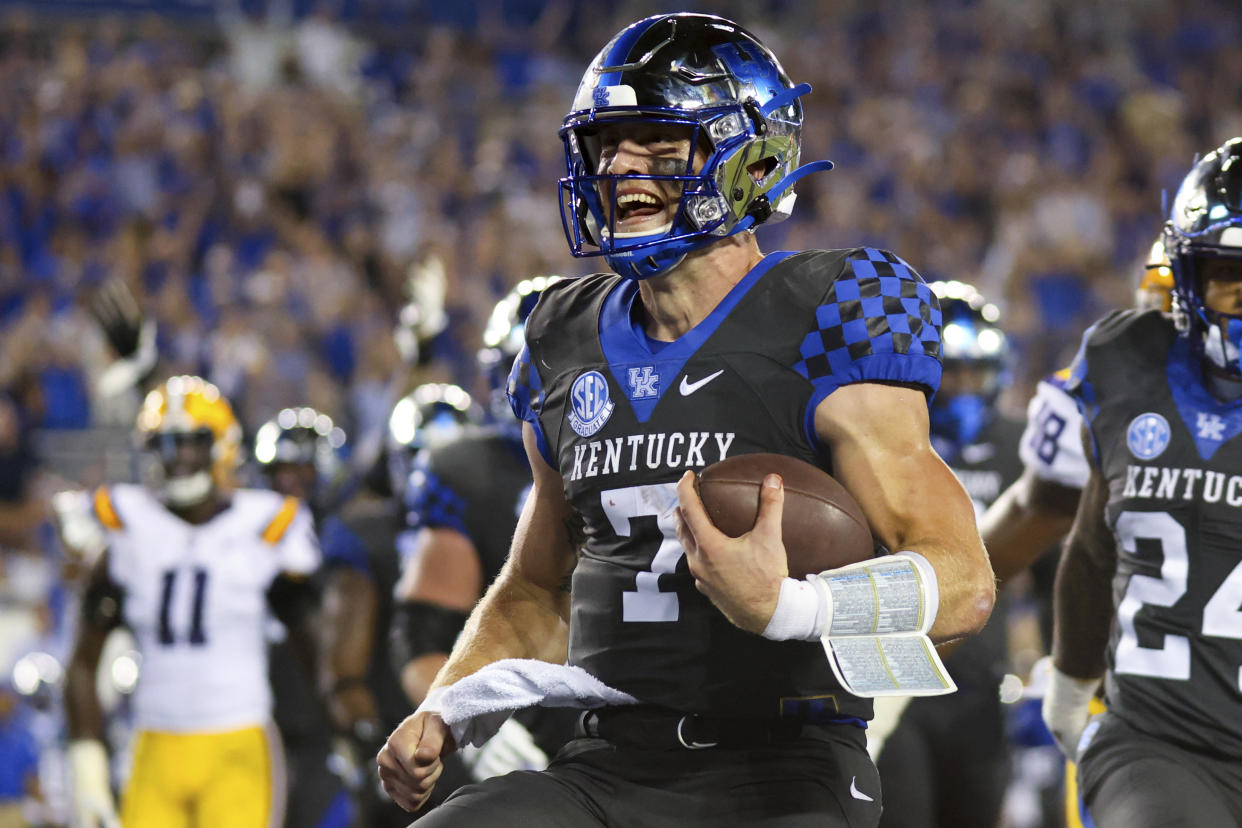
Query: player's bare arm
{"type": "Point", "coordinates": [82, 708]}
{"type": "Point", "coordinates": [526, 608]}
{"type": "Point", "coordinates": [1025, 521]}
{"type": "Point", "coordinates": [881, 453]}
{"type": "Point", "coordinates": [1083, 604]}
{"type": "Point", "coordinates": [1083, 613]}
{"type": "Point", "coordinates": [348, 618]}
{"type": "Point", "coordinates": [444, 578]}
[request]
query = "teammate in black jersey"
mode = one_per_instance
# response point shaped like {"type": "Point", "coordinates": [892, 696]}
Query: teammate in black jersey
{"type": "Point", "coordinates": [1157, 533]}
{"type": "Point", "coordinates": [947, 763]}
{"type": "Point", "coordinates": [462, 503]}
{"type": "Point", "coordinates": [684, 135]}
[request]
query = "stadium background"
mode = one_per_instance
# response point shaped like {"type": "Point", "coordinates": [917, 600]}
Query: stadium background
{"type": "Point", "coordinates": [268, 177]}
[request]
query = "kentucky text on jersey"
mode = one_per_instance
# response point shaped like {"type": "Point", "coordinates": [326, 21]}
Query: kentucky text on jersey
{"type": "Point", "coordinates": [676, 450]}
{"type": "Point", "coordinates": [1164, 483]}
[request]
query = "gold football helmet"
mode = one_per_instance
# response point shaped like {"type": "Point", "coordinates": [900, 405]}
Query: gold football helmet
{"type": "Point", "coordinates": [185, 409]}
{"type": "Point", "coordinates": [1155, 288]}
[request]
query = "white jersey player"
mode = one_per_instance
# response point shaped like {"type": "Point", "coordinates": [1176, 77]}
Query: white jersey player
{"type": "Point", "coordinates": [191, 568]}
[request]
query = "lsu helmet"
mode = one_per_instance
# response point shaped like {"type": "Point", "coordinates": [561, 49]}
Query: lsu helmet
{"type": "Point", "coordinates": [431, 414]}
{"type": "Point", "coordinates": [673, 71]}
{"type": "Point", "coordinates": [973, 344]}
{"type": "Point", "coordinates": [1155, 288]}
{"type": "Point", "coordinates": [504, 337]}
{"type": "Point", "coordinates": [189, 409]}
{"type": "Point", "coordinates": [303, 436]}
{"type": "Point", "coordinates": [1205, 226]}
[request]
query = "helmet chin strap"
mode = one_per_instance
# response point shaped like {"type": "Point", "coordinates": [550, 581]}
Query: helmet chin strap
{"type": "Point", "coordinates": [189, 490]}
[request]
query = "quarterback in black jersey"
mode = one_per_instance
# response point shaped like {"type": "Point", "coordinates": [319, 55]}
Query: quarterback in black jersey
{"type": "Point", "coordinates": [683, 137]}
{"type": "Point", "coordinates": [947, 762]}
{"type": "Point", "coordinates": [1147, 593]}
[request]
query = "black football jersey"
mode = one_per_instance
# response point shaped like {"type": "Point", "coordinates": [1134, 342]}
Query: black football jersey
{"type": "Point", "coordinates": [623, 417]}
{"type": "Point", "coordinates": [986, 468]}
{"type": "Point", "coordinates": [475, 484]}
{"type": "Point", "coordinates": [1173, 461]}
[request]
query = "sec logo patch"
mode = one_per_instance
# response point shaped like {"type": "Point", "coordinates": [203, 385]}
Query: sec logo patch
{"type": "Point", "coordinates": [1148, 436]}
{"type": "Point", "coordinates": [590, 405]}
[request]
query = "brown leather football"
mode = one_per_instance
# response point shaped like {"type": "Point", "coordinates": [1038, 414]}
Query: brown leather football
{"type": "Point", "coordinates": [822, 525]}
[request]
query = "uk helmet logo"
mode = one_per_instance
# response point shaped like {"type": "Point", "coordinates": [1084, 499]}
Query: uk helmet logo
{"type": "Point", "coordinates": [590, 406]}
{"type": "Point", "coordinates": [1148, 436]}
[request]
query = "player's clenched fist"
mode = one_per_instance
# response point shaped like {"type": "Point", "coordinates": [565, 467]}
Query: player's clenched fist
{"type": "Point", "coordinates": [409, 762]}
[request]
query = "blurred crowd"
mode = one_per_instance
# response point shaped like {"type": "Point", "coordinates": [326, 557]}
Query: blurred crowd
{"type": "Point", "coordinates": [265, 185]}
{"type": "Point", "coordinates": [272, 188]}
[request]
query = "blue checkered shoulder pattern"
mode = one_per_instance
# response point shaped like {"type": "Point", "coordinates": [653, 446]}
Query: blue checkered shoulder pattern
{"type": "Point", "coordinates": [879, 322]}
{"type": "Point", "coordinates": [432, 504]}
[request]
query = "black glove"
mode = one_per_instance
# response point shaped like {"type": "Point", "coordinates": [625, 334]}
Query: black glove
{"type": "Point", "coordinates": [117, 312]}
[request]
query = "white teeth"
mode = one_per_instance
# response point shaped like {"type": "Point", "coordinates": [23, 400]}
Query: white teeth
{"type": "Point", "coordinates": [635, 199]}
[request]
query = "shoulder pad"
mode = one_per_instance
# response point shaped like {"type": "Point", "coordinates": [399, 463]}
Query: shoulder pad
{"type": "Point", "coordinates": [279, 524]}
{"type": "Point", "coordinates": [104, 509]}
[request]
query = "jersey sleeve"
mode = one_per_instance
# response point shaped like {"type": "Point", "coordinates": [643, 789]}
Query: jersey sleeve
{"type": "Point", "coordinates": [878, 322]}
{"type": "Point", "coordinates": [431, 501]}
{"type": "Point", "coordinates": [341, 547]}
{"type": "Point", "coordinates": [297, 548]}
{"type": "Point", "coordinates": [525, 393]}
{"type": "Point", "coordinates": [1051, 445]}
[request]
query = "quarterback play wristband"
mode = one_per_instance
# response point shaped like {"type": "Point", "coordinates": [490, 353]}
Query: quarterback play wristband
{"type": "Point", "coordinates": [890, 594]}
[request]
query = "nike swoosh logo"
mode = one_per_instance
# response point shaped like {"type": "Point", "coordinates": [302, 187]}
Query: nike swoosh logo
{"type": "Point", "coordinates": [688, 388]}
{"type": "Point", "coordinates": [857, 794]}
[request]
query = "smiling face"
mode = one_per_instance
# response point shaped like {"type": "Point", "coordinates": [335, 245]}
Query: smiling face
{"type": "Point", "coordinates": [1222, 285]}
{"type": "Point", "coordinates": [644, 149]}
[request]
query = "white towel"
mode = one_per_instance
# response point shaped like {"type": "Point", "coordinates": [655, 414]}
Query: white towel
{"type": "Point", "coordinates": [476, 706]}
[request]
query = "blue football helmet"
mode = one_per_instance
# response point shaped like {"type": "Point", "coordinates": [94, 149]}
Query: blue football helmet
{"type": "Point", "coordinates": [1205, 224]}
{"type": "Point", "coordinates": [432, 413]}
{"type": "Point", "coordinates": [975, 353]}
{"type": "Point", "coordinates": [692, 75]}
{"type": "Point", "coordinates": [503, 339]}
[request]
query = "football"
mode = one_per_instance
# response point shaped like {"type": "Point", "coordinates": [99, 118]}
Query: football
{"type": "Point", "coordinates": [822, 525]}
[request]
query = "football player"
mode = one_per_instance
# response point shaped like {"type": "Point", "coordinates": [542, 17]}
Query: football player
{"type": "Point", "coordinates": [299, 452]}
{"type": "Point", "coordinates": [1036, 512]}
{"type": "Point", "coordinates": [1146, 593]}
{"type": "Point", "coordinates": [946, 763]}
{"type": "Point", "coordinates": [1024, 526]}
{"type": "Point", "coordinates": [191, 567]}
{"type": "Point", "coordinates": [464, 521]}
{"type": "Point", "coordinates": [683, 137]}
{"type": "Point", "coordinates": [362, 564]}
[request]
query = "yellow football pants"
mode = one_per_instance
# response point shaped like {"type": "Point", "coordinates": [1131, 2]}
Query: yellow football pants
{"type": "Point", "coordinates": [232, 779]}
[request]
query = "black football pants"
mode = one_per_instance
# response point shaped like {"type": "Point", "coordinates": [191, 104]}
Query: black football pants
{"type": "Point", "coordinates": [1131, 780]}
{"type": "Point", "coordinates": [823, 778]}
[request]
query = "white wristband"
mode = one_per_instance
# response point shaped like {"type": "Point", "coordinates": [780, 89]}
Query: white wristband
{"type": "Point", "coordinates": [802, 613]}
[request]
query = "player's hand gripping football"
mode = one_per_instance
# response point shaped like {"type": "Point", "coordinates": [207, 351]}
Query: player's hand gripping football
{"type": "Point", "coordinates": [409, 762]}
{"type": "Point", "coordinates": [742, 576]}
